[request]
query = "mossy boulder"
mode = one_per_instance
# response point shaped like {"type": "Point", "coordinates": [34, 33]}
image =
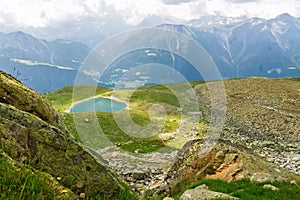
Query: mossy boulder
{"type": "Point", "coordinates": [30, 133]}
{"type": "Point", "coordinates": [14, 93]}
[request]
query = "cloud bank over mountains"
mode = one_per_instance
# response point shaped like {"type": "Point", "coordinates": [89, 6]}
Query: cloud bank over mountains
{"type": "Point", "coordinates": [43, 14]}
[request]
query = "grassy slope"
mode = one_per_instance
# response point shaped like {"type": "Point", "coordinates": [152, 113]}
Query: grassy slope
{"type": "Point", "coordinates": [140, 101]}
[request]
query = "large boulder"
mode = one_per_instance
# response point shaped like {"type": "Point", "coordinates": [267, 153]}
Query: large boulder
{"type": "Point", "coordinates": [14, 93]}
{"type": "Point", "coordinates": [203, 193]}
{"type": "Point", "coordinates": [223, 160]}
{"type": "Point", "coordinates": [29, 134]}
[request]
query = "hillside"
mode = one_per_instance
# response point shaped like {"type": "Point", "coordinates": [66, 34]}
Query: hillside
{"type": "Point", "coordinates": [37, 146]}
{"type": "Point", "coordinates": [253, 145]}
{"type": "Point", "coordinates": [45, 151]}
{"type": "Point", "coordinates": [263, 114]}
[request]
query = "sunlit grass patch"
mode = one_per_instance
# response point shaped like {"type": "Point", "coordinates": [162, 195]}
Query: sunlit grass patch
{"type": "Point", "coordinates": [244, 189]}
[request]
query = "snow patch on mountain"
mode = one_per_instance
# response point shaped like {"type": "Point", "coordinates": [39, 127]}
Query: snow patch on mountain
{"type": "Point", "coordinates": [279, 27]}
{"type": "Point", "coordinates": [277, 70]}
{"type": "Point", "coordinates": [37, 63]}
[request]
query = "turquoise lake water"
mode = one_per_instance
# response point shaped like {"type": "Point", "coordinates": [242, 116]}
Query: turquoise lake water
{"type": "Point", "coordinates": [98, 105]}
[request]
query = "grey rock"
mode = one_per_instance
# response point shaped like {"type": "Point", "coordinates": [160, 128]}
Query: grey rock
{"type": "Point", "coordinates": [220, 154]}
{"type": "Point", "coordinates": [261, 177]}
{"type": "Point", "coordinates": [296, 157]}
{"type": "Point", "coordinates": [138, 175]}
{"type": "Point", "coordinates": [269, 186]}
{"type": "Point", "coordinates": [168, 198]}
{"type": "Point", "coordinates": [293, 182]}
{"type": "Point", "coordinates": [203, 186]}
{"type": "Point", "coordinates": [199, 193]}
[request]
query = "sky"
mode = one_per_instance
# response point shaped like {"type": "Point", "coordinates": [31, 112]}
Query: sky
{"type": "Point", "coordinates": [47, 13]}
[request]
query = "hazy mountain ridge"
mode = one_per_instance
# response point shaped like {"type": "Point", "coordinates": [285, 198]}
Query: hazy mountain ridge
{"type": "Point", "coordinates": [20, 45]}
{"type": "Point", "coordinates": [248, 47]}
{"type": "Point", "coordinates": [240, 47]}
{"type": "Point", "coordinates": [40, 64]}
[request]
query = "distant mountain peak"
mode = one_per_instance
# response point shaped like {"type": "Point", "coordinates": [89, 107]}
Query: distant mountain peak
{"type": "Point", "coordinates": [20, 33]}
{"type": "Point", "coordinates": [284, 17]}
{"type": "Point", "coordinates": [181, 28]}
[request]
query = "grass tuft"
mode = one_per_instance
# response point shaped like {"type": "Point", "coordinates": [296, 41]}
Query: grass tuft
{"type": "Point", "coordinates": [22, 183]}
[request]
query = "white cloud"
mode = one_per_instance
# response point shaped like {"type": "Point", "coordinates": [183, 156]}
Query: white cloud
{"type": "Point", "coordinates": [29, 13]}
{"type": "Point", "coordinates": [135, 10]}
{"type": "Point", "coordinates": [176, 1]}
{"type": "Point", "coordinates": [242, 1]}
{"type": "Point", "coordinates": [46, 13]}
{"type": "Point", "coordinates": [252, 8]}
{"type": "Point", "coordinates": [39, 13]}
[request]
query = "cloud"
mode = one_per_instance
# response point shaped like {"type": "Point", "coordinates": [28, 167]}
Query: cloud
{"type": "Point", "coordinates": [37, 14]}
{"type": "Point", "coordinates": [242, 1]}
{"type": "Point", "coordinates": [255, 8]}
{"type": "Point", "coordinates": [46, 14]}
{"type": "Point", "coordinates": [134, 11]}
{"type": "Point", "coordinates": [176, 2]}
{"type": "Point", "coordinates": [297, 10]}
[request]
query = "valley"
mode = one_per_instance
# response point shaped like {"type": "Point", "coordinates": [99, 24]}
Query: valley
{"type": "Point", "coordinates": [174, 155]}
{"type": "Point", "coordinates": [150, 100]}
{"type": "Point", "coordinates": [256, 122]}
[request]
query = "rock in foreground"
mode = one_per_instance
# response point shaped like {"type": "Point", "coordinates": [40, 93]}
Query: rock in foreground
{"type": "Point", "coordinates": [30, 133]}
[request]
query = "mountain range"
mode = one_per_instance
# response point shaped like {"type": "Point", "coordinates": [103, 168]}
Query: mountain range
{"type": "Point", "coordinates": [240, 47]}
{"type": "Point", "coordinates": [251, 47]}
{"type": "Point", "coordinates": [42, 65]}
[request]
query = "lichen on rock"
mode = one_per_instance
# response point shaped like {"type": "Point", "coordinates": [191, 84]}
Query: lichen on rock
{"type": "Point", "coordinates": [14, 93]}
{"type": "Point", "coordinates": [29, 128]}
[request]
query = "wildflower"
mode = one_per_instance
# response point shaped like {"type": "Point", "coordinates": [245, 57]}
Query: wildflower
{"type": "Point", "coordinates": [60, 188]}
{"type": "Point", "coordinates": [82, 195]}
{"type": "Point", "coordinates": [23, 159]}
{"type": "Point", "coordinates": [79, 185]}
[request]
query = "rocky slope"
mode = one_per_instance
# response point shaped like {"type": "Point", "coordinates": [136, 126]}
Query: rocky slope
{"type": "Point", "coordinates": [263, 115]}
{"type": "Point", "coordinates": [30, 133]}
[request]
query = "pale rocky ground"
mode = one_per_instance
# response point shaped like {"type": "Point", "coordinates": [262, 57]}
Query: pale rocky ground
{"type": "Point", "coordinates": [141, 171]}
{"type": "Point", "coordinates": [263, 114]}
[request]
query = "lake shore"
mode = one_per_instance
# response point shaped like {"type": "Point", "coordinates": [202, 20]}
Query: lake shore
{"type": "Point", "coordinates": [113, 98]}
